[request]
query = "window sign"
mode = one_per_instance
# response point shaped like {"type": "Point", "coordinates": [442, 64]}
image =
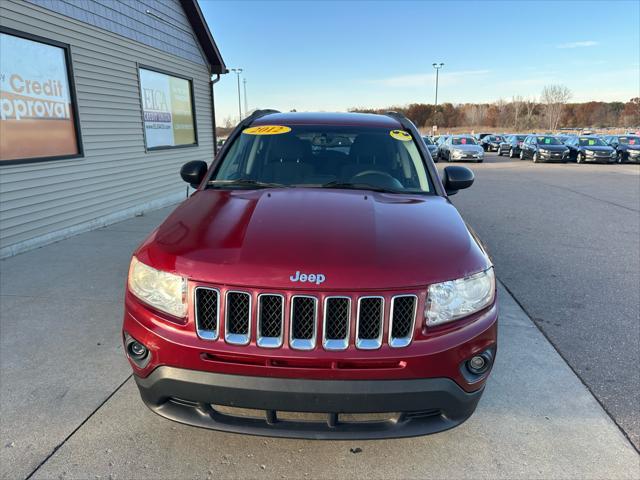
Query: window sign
{"type": "Point", "coordinates": [167, 107]}
{"type": "Point", "coordinates": [37, 116]}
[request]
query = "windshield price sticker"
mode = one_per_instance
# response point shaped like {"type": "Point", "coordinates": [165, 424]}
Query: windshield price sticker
{"type": "Point", "coordinates": [267, 130]}
{"type": "Point", "coordinates": [400, 135]}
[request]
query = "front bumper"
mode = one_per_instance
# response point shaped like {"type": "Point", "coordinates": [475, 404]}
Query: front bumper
{"type": "Point", "coordinates": [550, 158]}
{"type": "Point", "coordinates": [425, 383]}
{"type": "Point", "coordinates": [419, 406]}
{"type": "Point", "coordinates": [599, 159]}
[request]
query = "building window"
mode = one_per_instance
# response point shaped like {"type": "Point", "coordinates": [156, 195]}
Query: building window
{"type": "Point", "coordinates": [167, 109]}
{"type": "Point", "coordinates": [38, 112]}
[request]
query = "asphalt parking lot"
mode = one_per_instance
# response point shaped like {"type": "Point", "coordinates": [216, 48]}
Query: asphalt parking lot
{"type": "Point", "coordinates": [565, 242]}
{"type": "Point", "coordinates": [565, 239]}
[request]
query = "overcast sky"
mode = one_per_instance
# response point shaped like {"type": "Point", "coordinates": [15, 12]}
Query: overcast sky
{"type": "Point", "coordinates": [335, 55]}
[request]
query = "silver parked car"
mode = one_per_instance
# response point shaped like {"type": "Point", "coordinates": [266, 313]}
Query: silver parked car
{"type": "Point", "coordinates": [461, 148]}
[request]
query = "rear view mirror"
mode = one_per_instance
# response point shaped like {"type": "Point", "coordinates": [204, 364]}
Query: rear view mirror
{"type": "Point", "coordinates": [193, 172]}
{"type": "Point", "coordinates": [457, 178]}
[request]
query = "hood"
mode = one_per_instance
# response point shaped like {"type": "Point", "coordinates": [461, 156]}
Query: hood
{"type": "Point", "coordinates": [467, 148]}
{"type": "Point", "coordinates": [627, 146]}
{"type": "Point", "coordinates": [356, 239]}
{"type": "Point", "coordinates": [554, 148]}
{"type": "Point", "coordinates": [598, 148]}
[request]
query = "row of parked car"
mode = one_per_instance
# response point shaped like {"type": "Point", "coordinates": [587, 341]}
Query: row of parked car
{"type": "Point", "coordinates": [537, 147]}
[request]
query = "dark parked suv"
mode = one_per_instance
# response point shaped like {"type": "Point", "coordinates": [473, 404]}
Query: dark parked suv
{"type": "Point", "coordinates": [320, 277]}
{"type": "Point", "coordinates": [543, 148]}
{"type": "Point", "coordinates": [511, 145]}
{"type": "Point", "coordinates": [627, 147]}
{"type": "Point", "coordinates": [590, 149]}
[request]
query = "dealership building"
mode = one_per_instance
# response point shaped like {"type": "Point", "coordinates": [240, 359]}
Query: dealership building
{"type": "Point", "coordinates": [101, 103]}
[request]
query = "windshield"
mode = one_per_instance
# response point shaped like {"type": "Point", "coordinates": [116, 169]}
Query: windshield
{"type": "Point", "coordinates": [591, 142]}
{"type": "Point", "coordinates": [463, 141]}
{"type": "Point", "coordinates": [323, 156]}
{"type": "Point", "coordinates": [629, 140]}
{"type": "Point", "coordinates": [548, 141]}
{"type": "Point", "coordinates": [427, 141]}
{"type": "Point", "coordinates": [520, 138]}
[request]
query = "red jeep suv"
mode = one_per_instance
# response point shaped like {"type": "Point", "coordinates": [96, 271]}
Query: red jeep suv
{"type": "Point", "coordinates": [318, 283]}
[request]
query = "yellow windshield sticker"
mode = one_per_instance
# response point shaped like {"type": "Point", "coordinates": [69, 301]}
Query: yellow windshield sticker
{"type": "Point", "coordinates": [400, 135]}
{"type": "Point", "coordinates": [267, 130]}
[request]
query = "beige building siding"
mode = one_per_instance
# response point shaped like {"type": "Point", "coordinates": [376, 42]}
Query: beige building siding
{"type": "Point", "coordinates": [116, 178]}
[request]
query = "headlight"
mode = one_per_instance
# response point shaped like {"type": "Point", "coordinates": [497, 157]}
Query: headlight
{"type": "Point", "coordinates": [456, 153]}
{"type": "Point", "coordinates": [448, 301]}
{"type": "Point", "coordinates": [589, 152]}
{"type": "Point", "coordinates": [544, 152]}
{"type": "Point", "coordinates": [162, 290]}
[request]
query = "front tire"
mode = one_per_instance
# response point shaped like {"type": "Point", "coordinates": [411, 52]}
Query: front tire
{"type": "Point", "coordinates": [499, 152]}
{"type": "Point", "coordinates": [511, 154]}
{"type": "Point", "coordinates": [620, 157]}
{"type": "Point", "coordinates": [521, 154]}
{"type": "Point", "coordinates": [535, 157]}
{"type": "Point", "coordinates": [579, 158]}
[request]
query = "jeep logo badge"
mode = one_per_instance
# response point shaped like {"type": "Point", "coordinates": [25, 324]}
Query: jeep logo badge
{"type": "Point", "coordinates": [316, 278]}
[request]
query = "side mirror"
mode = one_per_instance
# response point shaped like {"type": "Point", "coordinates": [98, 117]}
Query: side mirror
{"type": "Point", "coordinates": [457, 178]}
{"type": "Point", "coordinates": [193, 172]}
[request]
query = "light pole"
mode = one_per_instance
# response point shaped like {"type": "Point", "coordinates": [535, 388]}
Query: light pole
{"type": "Point", "coordinates": [246, 103]}
{"type": "Point", "coordinates": [238, 71]}
{"type": "Point", "coordinates": [437, 66]}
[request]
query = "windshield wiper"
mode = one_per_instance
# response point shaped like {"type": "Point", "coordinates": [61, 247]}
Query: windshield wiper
{"type": "Point", "coordinates": [244, 182]}
{"type": "Point", "coordinates": [359, 186]}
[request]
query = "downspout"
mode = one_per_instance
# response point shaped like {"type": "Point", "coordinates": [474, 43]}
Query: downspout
{"type": "Point", "coordinates": [213, 81]}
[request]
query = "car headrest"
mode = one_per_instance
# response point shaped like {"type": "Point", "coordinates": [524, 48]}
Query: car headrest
{"type": "Point", "coordinates": [288, 148]}
{"type": "Point", "coordinates": [371, 148]}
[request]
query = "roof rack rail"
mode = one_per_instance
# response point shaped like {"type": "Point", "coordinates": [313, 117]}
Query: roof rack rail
{"type": "Point", "coordinates": [404, 121]}
{"type": "Point", "coordinates": [256, 115]}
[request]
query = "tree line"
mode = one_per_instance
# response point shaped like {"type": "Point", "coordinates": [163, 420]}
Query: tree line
{"type": "Point", "coordinates": [551, 111]}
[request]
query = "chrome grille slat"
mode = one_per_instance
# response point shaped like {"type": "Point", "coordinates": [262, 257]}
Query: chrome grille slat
{"type": "Point", "coordinates": [211, 305]}
{"type": "Point", "coordinates": [303, 322]}
{"type": "Point", "coordinates": [207, 309]}
{"type": "Point", "coordinates": [336, 324]}
{"type": "Point", "coordinates": [369, 323]}
{"type": "Point", "coordinates": [237, 318]}
{"type": "Point", "coordinates": [402, 320]}
{"type": "Point", "coordinates": [270, 319]}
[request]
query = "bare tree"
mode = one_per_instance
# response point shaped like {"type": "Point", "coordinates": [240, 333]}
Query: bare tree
{"type": "Point", "coordinates": [502, 111]}
{"type": "Point", "coordinates": [517, 103]}
{"type": "Point", "coordinates": [475, 114]}
{"type": "Point", "coordinates": [530, 109]}
{"type": "Point", "coordinates": [554, 98]}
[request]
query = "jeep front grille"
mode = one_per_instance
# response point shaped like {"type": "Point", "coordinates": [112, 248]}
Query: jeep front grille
{"type": "Point", "coordinates": [369, 323]}
{"type": "Point", "coordinates": [304, 314]}
{"type": "Point", "coordinates": [403, 314]}
{"type": "Point", "coordinates": [237, 318]}
{"type": "Point", "coordinates": [310, 316]}
{"type": "Point", "coordinates": [270, 318]}
{"type": "Point", "coordinates": [207, 312]}
{"type": "Point", "coordinates": [337, 317]}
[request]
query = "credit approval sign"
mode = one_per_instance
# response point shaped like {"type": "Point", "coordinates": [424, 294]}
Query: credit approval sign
{"type": "Point", "coordinates": [36, 115]}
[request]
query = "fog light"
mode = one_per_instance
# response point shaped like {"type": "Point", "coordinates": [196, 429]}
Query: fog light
{"type": "Point", "coordinates": [478, 364]}
{"type": "Point", "coordinates": [137, 350]}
